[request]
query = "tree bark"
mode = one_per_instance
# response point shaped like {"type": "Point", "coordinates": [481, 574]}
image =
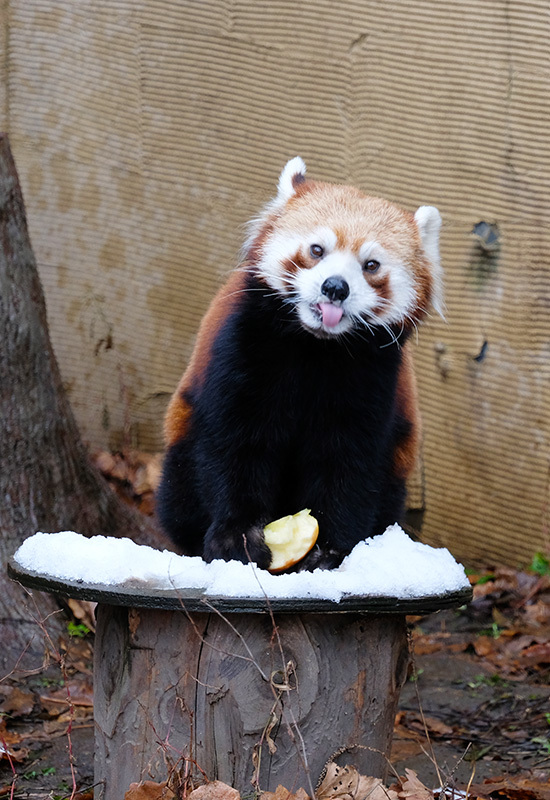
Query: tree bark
{"type": "Point", "coordinates": [47, 481]}
{"type": "Point", "coordinates": [221, 694]}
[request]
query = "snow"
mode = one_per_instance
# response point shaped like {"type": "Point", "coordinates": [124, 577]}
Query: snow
{"type": "Point", "coordinates": [391, 565]}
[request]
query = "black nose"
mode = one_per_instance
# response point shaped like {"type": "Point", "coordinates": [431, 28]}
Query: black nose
{"type": "Point", "coordinates": [335, 288]}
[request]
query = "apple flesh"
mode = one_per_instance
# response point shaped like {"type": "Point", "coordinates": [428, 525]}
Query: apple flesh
{"type": "Point", "coordinates": [290, 539]}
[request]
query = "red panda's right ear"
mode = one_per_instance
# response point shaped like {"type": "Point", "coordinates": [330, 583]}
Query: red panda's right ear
{"type": "Point", "coordinates": [293, 174]}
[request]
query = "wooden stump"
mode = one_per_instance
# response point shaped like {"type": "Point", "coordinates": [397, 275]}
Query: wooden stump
{"type": "Point", "coordinates": [214, 689]}
{"type": "Point", "coordinates": [251, 692]}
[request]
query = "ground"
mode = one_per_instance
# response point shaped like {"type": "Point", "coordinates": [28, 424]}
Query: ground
{"type": "Point", "coordinates": [476, 702]}
{"type": "Point", "coordinates": [474, 710]}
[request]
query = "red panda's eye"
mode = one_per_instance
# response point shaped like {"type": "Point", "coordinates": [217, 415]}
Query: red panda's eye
{"type": "Point", "coordinates": [371, 265]}
{"type": "Point", "coordinates": [317, 250]}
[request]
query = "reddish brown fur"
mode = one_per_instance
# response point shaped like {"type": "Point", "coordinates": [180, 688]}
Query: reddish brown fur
{"type": "Point", "coordinates": [381, 287]}
{"type": "Point", "coordinates": [178, 412]}
{"type": "Point", "coordinates": [292, 265]}
{"type": "Point", "coordinates": [406, 453]}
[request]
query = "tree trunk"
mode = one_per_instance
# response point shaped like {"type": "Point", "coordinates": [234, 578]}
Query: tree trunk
{"type": "Point", "coordinates": [46, 479]}
{"type": "Point", "coordinates": [221, 693]}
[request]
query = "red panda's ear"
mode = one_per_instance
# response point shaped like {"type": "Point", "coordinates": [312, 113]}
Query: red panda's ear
{"type": "Point", "coordinates": [292, 175]}
{"type": "Point", "coordinates": [428, 222]}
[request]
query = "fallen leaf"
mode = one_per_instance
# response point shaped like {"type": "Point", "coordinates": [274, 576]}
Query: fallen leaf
{"type": "Point", "coordinates": [54, 728]}
{"type": "Point", "coordinates": [438, 727]}
{"type": "Point", "coordinates": [485, 646]}
{"type": "Point", "coordinates": [373, 789]}
{"type": "Point", "coordinates": [518, 644]}
{"type": "Point", "coordinates": [512, 788]}
{"type": "Point", "coordinates": [87, 795]}
{"type": "Point", "coordinates": [414, 721]}
{"type": "Point", "coordinates": [519, 735]}
{"type": "Point", "coordinates": [413, 789]}
{"type": "Point", "coordinates": [538, 612]}
{"type": "Point", "coordinates": [58, 702]}
{"type": "Point", "coordinates": [427, 643]}
{"type": "Point", "coordinates": [406, 742]}
{"type": "Point", "coordinates": [535, 655]}
{"type": "Point", "coordinates": [7, 739]}
{"type": "Point", "coordinates": [146, 503]}
{"type": "Point", "coordinates": [215, 790]}
{"type": "Point", "coordinates": [403, 749]}
{"type": "Point", "coordinates": [104, 461]}
{"type": "Point", "coordinates": [120, 471]}
{"type": "Point", "coordinates": [281, 793]}
{"type": "Point", "coordinates": [148, 474]}
{"type": "Point", "coordinates": [346, 783]}
{"type": "Point", "coordinates": [80, 655]}
{"type": "Point", "coordinates": [149, 790]}
{"type": "Point", "coordinates": [338, 782]}
{"type": "Point", "coordinates": [501, 619]}
{"type": "Point", "coordinates": [84, 611]}
{"type": "Point", "coordinates": [483, 589]}
{"type": "Point", "coordinates": [82, 694]}
{"type": "Point", "coordinates": [17, 702]}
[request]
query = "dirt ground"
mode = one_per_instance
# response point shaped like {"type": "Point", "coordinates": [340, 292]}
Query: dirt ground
{"type": "Point", "coordinates": [484, 719]}
{"type": "Point", "coordinates": [475, 707]}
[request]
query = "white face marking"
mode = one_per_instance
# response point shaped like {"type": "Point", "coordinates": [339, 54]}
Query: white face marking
{"type": "Point", "coordinates": [338, 264]}
{"type": "Point", "coordinates": [363, 303]}
{"type": "Point", "coordinates": [401, 284]}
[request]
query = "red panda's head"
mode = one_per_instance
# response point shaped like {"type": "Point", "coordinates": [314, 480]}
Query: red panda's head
{"type": "Point", "coordinates": [344, 259]}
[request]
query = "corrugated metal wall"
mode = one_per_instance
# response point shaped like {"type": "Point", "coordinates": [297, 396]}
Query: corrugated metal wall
{"type": "Point", "coordinates": [147, 133]}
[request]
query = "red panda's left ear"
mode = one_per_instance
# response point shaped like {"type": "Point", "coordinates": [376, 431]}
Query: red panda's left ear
{"type": "Point", "coordinates": [293, 174]}
{"type": "Point", "coordinates": [428, 222]}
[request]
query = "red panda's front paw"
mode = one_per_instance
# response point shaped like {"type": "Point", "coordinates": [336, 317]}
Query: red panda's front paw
{"type": "Point", "coordinates": [229, 544]}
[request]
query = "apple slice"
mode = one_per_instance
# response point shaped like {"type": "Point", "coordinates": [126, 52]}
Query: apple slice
{"type": "Point", "coordinates": [290, 539]}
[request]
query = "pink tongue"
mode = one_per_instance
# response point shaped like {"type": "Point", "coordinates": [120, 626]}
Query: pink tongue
{"type": "Point", "coordinates": [331, 314]}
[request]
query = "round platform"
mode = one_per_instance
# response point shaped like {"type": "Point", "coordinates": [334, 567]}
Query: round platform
{"type": "Point", "coordinates": [137, 596]}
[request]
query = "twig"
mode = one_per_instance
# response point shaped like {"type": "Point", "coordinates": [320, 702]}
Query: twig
{"type": "Point", "coordinates": [345, 749]}
{"type": "Point", "coordinates": [471, 779]}
{"type": "Point", "coordinates": [237, 633]}
{"type": "Point", "coordinates": [250, 659]}
{"type": "Point", "coordinates": [82, 790]}
{"type": "Point", "coordinates": [449, 777]}
{"type": "Point", "coordinates": [61, 661]}
{"type": "Point", "coordinates": [423, 718]}
{"type": "Point", "coordinates": [69, 727]}
{"type": "Point", "coordinates": [13, 770]}
{"type": "Point", "coordinates": [180, 780]}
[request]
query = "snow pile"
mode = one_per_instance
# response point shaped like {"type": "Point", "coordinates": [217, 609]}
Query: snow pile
{"type": "Point", "coordinates": [390, 565]}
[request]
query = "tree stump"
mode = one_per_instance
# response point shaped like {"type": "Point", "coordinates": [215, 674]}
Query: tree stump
{"type": "Point", "coordinates": [251, 692]}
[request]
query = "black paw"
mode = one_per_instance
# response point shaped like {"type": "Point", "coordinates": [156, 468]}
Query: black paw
{"type": "Point", "coordinates": [320, 558]}
{"type": "Point", "coordinates": [230, 545]}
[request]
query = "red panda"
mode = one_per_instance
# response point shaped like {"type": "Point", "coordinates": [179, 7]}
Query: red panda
{"type": "Point", "coordinates": [300, 392]}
